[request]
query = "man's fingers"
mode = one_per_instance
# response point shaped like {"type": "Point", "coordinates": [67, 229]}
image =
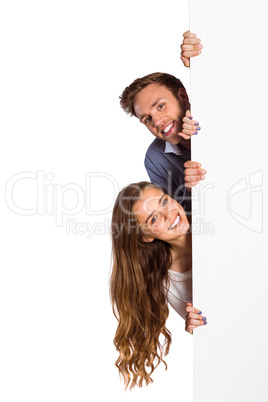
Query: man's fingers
{"type": "Point", "coordinates": [191, 47]}
{"type": "Point", "coordinates": [192, 164]}
{"type": "Point", "coordinates": [192, 175]}
{"type": "Point", "coordinates": [191, 41]}
{"type": "Point", "coordinates": [189, 34]}
{"type": "Point", "coordinates": [194, 172]}
{"type": "Point", "coordinates": [191, 54]}
{"type": "Point", "coordinates": [193, 179]}
{"type": "Point", "coordinates": [185, 61]}
{"type": "Point", "coordinates": [191, 184]}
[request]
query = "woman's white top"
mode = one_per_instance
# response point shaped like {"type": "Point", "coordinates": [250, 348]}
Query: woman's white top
{"type": "Point", "coordinates": [180, 290]}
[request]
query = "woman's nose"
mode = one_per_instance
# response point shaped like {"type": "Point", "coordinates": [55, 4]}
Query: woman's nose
{"type": "Point", "coordinates": [165, 214]}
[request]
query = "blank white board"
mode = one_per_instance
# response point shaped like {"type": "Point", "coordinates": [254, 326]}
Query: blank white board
{"type": "Point", "coordinates": [229, 98]}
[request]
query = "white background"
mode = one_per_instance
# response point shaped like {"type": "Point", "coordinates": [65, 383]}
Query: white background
{"type": "Point", "coordinates": [229, 95]}
{"type": "Point", "coordinates": [63, 66]}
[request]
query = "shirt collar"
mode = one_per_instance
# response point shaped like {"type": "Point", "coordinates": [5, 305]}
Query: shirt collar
{"type": "Point", "coordinates": [172, 148]}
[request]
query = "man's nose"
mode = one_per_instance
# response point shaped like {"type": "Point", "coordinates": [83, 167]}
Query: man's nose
{"type": "Point", "coordinates": [157, 119]}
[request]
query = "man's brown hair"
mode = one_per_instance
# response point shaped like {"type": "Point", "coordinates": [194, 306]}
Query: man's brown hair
{"type": "Point", "coordinates": [129, 94]}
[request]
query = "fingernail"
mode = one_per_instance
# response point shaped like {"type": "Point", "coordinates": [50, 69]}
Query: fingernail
{"type": "Point", "coordinates": [196, 124]}
{"type": "Point", "coordinates": [198, 128]}
{"type": "Point", "coordinates": [199, 312]}
{"type": "Point", "coordinates": [190, 117]}
{"type": "Point", "coordinates": [195, 132]}
{"type": "Point", "coordinates": [205, 323]}
{"type": "Point", "coordinates": [204, 318]}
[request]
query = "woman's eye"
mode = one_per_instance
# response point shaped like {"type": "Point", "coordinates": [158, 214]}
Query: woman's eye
{"type": "Point", "coordinates": [161, 106]}
{"type": "Point", "coordinates": [165, 201]}
{"type": "Point", "coordinates": [153, 220]}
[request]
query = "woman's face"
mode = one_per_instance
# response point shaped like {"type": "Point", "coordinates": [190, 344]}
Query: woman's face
{"type": "Point", "coordinates": [160, 217]}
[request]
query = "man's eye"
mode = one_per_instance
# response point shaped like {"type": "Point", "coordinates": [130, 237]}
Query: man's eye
{"type": "Point", "coordinates": [161, 106]}
{"type": "Point", "coordinates": [147, 119]}
{"type": "Point", "coordinates": [165, 201]}
{"type": "Point", "coordinates": [153, 219]}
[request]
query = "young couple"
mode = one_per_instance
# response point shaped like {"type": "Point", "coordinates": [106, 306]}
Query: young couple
{"type": "Point", "coordinates": [151, 236]}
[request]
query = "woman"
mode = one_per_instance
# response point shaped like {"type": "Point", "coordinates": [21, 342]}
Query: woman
{"type": "Point", "coordinates": [152, 260]}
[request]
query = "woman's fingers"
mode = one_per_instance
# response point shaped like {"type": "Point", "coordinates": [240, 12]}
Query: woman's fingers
{"type": "Point", "coordinates": [190, 126]}
{"type": "Point", "coordinates": [190, 309]}
{"type": "Point", "coordinates": [197, 322]}
{"type": "Point", "coordinates": [194, 318]}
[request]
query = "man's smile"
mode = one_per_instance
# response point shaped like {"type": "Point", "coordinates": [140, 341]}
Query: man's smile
{"type": "Point", "coordinates": [168, 128]}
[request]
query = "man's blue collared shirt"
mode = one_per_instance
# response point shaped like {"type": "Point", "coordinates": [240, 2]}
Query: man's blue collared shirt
{"type": "Point", "coordinates": [164, 163]}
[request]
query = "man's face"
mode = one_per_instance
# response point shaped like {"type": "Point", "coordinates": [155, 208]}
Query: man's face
{"type": "Point", "coordinates": [161, 112]}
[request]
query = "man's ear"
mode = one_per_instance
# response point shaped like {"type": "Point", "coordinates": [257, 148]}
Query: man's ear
{"type": "Point", "coordinates": [147, 239]}
{"type": "Point", "coordinates": [183, 97]}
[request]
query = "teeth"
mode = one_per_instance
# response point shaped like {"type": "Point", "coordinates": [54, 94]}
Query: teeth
{"type": "Point", "coordinates": [167, 128]}
{"type": "Point", "coordinates": [175, 223]}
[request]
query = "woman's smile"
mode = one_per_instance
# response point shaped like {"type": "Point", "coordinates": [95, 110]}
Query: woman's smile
{"type": "Point", "coordinates": [175, 223]}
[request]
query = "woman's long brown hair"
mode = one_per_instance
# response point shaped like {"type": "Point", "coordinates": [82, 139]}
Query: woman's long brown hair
{"type": "Point", "coordinates": [138, 296]}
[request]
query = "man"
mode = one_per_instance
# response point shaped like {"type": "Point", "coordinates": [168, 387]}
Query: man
{"type": "Point", "coordinates": [161, 103]}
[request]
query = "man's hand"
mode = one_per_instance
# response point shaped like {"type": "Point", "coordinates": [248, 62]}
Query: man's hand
{"type": "Point", "coordinates": [189, 126]}
{"type": "Point", "coordinates": [191, 47]}
{"type": "Point", "coordinates": [194, 318]}
{"type": "Point", "coordinates": [193, 173]}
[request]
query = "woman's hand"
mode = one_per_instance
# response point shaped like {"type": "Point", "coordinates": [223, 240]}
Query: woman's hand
{"type": "Point", "coordinates": [194, 318]}
{"type": "Point", "coordinates": [189, 127]}
{"type": "Point", "coordinates": [191, 47]}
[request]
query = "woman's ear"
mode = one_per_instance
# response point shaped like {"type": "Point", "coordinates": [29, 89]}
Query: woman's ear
{"type": "Point", "coordinates": [147, 239]}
